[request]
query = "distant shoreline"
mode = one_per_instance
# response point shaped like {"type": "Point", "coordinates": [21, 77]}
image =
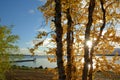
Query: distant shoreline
{"type": "Point", "coordinates": [27, 60]}
{"type": "Point", "coordinates": [77, 55]}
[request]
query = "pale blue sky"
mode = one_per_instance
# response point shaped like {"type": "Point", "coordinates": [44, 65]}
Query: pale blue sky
{"type": "Point", "coordinates": [25, 16]}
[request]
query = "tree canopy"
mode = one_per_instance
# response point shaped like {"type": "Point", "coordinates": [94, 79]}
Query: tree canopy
{"type": "Point", "coordinates": [7, 45]}
{"type": "Point", "coordinates": [84, 20]}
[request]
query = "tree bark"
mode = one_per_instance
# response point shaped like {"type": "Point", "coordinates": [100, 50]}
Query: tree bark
{"type": "Point", "coordinates": [97, 41]}
{"type": "Point", "coordinates": [87, 37]}
{"type": "Point", "coordinates": [91, 64]}
{"type": "Point", "coordinates": [59, 32]}
{"type": "Point", "coordinates": [69, 45]}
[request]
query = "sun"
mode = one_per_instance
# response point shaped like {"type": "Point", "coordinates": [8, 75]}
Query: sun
{"type": "Point", "coordinates": [89, 43]}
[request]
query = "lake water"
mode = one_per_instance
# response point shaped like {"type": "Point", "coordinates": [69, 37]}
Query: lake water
{"type": "Point", "coordinates": [42, 61]}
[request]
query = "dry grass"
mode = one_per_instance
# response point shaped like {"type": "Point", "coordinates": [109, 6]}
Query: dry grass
{"type": "Point", "coordinates": [32, 74]}
{"type": "Point", "coordinates": [44, 74]}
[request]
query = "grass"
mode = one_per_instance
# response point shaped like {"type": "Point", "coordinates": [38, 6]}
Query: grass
{"type": "Point", "coordinates": [29, 74]}
{"type": "Point", "coordinates": [26, 73]}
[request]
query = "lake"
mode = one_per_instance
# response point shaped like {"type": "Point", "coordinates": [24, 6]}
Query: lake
{"type": "Point", "coordinates": [42, 61]}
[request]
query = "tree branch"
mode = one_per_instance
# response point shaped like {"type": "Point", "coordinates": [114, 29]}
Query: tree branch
{"type": "Point", "coordinates": [104, 22]}
{"type": "Point", "coordinates": [87, 37]}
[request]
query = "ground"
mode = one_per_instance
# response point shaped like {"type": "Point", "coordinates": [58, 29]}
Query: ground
{"type": "Point", "coordinates": [32, 74]}
{"type": "Point", "coordinates": [45, 74]}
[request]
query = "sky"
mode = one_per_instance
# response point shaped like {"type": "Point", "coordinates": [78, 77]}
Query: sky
{"type": "Point", "coordinates": [25, 17]}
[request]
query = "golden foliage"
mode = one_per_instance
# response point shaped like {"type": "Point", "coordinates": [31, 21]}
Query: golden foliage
{"type": "Point", "coordinates": [79, 14]}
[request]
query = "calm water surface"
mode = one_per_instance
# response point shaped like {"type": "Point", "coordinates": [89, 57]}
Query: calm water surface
{"type": "Point", "coordinates": [40, 61]}
{"type": "Point", "coordinates": [43, 61]}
